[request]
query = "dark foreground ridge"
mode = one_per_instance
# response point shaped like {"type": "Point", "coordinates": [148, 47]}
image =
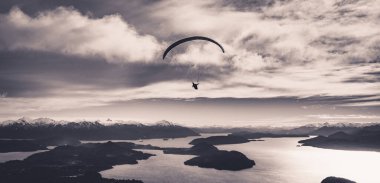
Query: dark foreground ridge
{"type": "Point", "coordinates": [208, 156]}
{"type": "Point", "coordinates": [336, 180]}
{"type": "Point", "coordinates": [367, 138]}
{"type": "Point", "coordinates": [219, 140]}
{"type": "Point", "coordinates": [71, 163]}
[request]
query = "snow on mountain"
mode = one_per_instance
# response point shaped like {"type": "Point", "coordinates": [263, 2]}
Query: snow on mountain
{"type": "Point", "coordinates": [164, 123]}
{"type": "Point", "coordinates": [25, 121]}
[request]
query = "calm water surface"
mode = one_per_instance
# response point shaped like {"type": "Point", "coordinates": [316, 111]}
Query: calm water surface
{"type": "Point", "coordinates": [16, 155]}
{"type": "Point", "coordinates": [278, 160]}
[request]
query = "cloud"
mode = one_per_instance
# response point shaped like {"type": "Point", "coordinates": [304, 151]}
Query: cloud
{"type": "Point", "coordinates": [199, 54]}
{"type": "Point", "coordinates": [93, 54]}
{"type": "Point", "coordinates": [350, 116]}
{"type": "Point", "coordinates": [250, 5]}
{"type": "Point", "coordinates": [296, 56]}
{"type": "Point", "coordinates": [135, 11]}
{"type": "Point", "coordinates": [290, 44]}
{"type": "Point", "coordinates": [67, 31]}
{"type": "Point", "coordinates": [197, 110]}
{"type": "Point", "coordinates": [302, 34]}
{"type": "Point", "coordinates": [42, 74]}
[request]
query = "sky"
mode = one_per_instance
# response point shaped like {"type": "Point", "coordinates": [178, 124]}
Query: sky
{"type": "Point", "coordinates": [285, 62]}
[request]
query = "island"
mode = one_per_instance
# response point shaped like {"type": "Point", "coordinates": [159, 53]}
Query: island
{"type": "Point", "coordinates": [336, 180]}
{"type": "Point", "coordinates": [220, 140]}
{"type": "Point", "coordinates": [222, 160]}
{"type": "Point", "coordinates": [209, 156]}
{"type": "Point", "coordinates": [198, 149]}
{"type": "Point", "coordinates": [71, 163]}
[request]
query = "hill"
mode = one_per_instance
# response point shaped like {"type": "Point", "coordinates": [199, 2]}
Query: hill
{"type": "Point", "coordinates": [365, 138]}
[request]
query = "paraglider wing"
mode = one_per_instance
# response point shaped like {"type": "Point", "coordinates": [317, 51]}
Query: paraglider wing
{"type": "Point", "coordinates": [190, 39]}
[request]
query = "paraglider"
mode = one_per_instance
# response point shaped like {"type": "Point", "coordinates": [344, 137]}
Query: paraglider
{"type": "Point", "coordinates": [195, 85]}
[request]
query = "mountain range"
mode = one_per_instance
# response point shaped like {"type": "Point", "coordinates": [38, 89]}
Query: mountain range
{"type": "Point", "coordinates": [90, 130]}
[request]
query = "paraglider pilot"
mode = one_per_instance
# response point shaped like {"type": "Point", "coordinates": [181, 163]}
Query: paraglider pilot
{"type": "Point", "coordinates": [195, 85]}
{"type": "Point", "coordinates": [192, 38]}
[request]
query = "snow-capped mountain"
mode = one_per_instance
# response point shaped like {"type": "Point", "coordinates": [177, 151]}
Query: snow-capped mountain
{"type": "Point", "coordinates": [164, 123]}
{"type": "Point", "coordinates": [90, 130]}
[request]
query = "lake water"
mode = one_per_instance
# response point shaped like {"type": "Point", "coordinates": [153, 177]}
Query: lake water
{"type": "Point", "coordinates": [278, 160]}
{"type": "Point", "coordinates": [16, 155]}
{"type": "Point", "coordinates": [20, 155]}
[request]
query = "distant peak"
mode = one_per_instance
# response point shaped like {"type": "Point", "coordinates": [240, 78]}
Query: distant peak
{"type": "Point", "coordinates": [43, 120]}
{"type": "Point", "coordinates": [164, 123]}
{"type": "Point", "coordinates": [24, 119]}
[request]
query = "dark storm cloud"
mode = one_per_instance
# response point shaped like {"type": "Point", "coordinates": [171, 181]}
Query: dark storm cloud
{"type": "Point", "coordinates": [143, 74]}
{"type": "Point", "coordinates": [336, 41]}
{"type": "Point", "coordinates": [345, 2]}
{"type": "Point", "coordinates": [32, 73]}
{"type": "Point", "coordinates": [251, 5]}
{"type": "Point", "coordinates": [97, 8]}
{"type": "Point", "coordinates": [374, 73]}
{"type": "Point", "coordinates": [134, 11]}
{"type": "Point", "coordinates": [376, 60]}
{"type": "Point", "coordinates": [255, 42]}
{"type": "Point", "coordinates": [363, 80]}
{"type": "Point", "coordinates": [258, 6]}
{"type": "Point", "coordinates": [369, 77]}
{"type": "Point", "coordinates": [19, 86]}
{"type": "Point", "coordinates": [335, 44]}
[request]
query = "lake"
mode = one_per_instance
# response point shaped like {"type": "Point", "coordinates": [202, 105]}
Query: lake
{"type": "Point", "coordinates": [278, 160]}
{"type": "Point", "coordinates": [16, 155]}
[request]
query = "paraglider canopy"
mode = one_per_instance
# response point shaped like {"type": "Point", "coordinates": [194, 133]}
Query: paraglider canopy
{"type": "Point", "coordinates": [190, 39]}
{"type": "Point", "coordinates": [195, 85]}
